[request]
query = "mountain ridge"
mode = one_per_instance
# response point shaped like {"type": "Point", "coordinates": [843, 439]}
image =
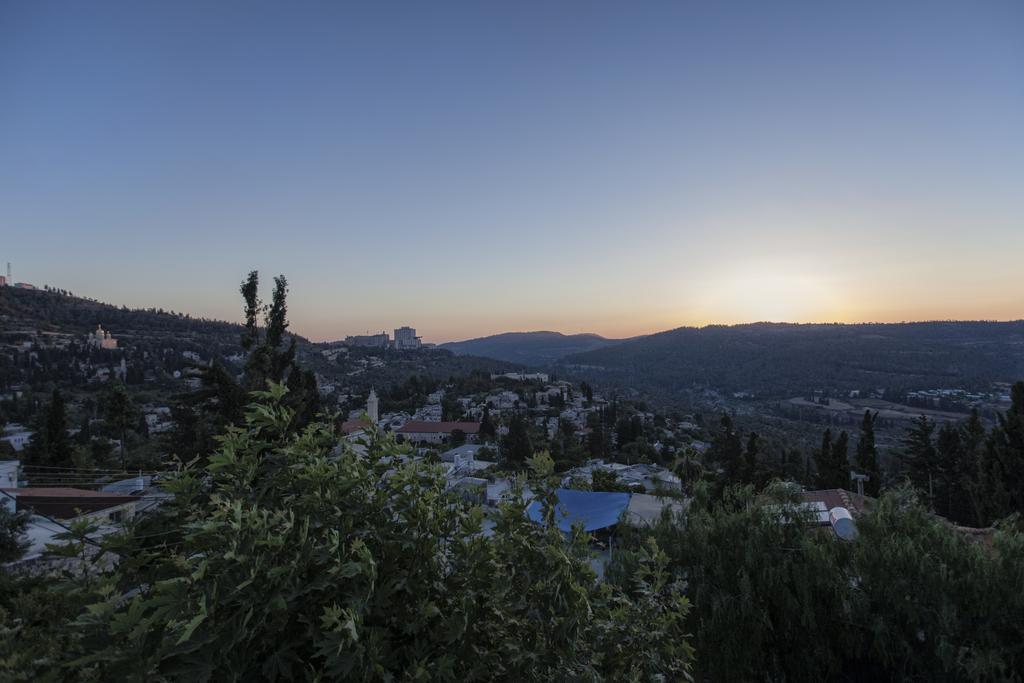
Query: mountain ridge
{"type": "Point", "coordinates": [776, 358]}
{"type": "Point", "coordinates": [536, 348]}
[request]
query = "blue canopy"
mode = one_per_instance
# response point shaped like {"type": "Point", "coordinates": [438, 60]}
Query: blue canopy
{"type": "Point", "coordinates": [594, 509]}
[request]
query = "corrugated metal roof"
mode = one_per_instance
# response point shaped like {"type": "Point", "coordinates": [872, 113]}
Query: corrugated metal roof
{"type": "Point", "coordinates": [593, 509]}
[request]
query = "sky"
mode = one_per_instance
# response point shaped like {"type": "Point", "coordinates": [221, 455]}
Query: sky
{"type": "Point", "coordinates": [473, 168]}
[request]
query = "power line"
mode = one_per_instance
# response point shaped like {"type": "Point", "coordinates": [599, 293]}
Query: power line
{"type": "Point", "coordinates": [79, 469]}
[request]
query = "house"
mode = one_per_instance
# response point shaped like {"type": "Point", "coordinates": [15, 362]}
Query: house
{"type": "Point", "coordinates": [17, 436]}
{"type": "Point", "coordinates": [436, 432]}
{"type": "Point", "coordinates": [53, 510]}
{"type": "Point", "coordinates": [645, 510]}
{"type": "Point", "coordinates": [355, 426]}
{"type": "Point", "coordinates": [841, 498]}
{"type": "Point", "coordinates": [639, 477]}
{"type": "Point", "coordinates": [379, 341]}
{"type": "Point", "coordinates": [462, 453]}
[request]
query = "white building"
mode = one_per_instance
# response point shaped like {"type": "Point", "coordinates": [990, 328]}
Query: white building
{"type": "Point", "coordinates": [17, 436]}
{"type": "Point", "coordinates": [436, 432]}
{"type": "Point", "coordinates": [101, 339]}
{"type": "Point", "coordinates": [379, 341]}
{"type": "Point", "coordinates": [406, 339]}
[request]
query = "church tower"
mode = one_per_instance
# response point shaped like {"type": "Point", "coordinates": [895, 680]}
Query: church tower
{"type": "Point", "coordinates": [372, 407]}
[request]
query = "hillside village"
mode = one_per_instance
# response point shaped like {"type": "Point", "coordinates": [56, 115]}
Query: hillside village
{"type": "Point", "coordinates": [481, 417]}
{"type": "Point", "coordinates": [479, 428]}
{"type": "Point", "coordinates": [101, 407]}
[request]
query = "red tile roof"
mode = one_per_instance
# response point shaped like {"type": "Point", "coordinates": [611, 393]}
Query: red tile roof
{"type": "Point", "coordinates": [352, 426]}
{"type": "Point", "coordinates": [422, 427]}
{"type": "Point", "coordinates": [841, 498]}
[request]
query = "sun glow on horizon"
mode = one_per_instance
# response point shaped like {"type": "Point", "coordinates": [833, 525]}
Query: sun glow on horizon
{"type": "Point", "coordinates": [768, 295]}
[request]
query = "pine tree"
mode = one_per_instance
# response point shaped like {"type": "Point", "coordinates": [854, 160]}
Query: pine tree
{"type": "Point", "coordinates": [867, 454]}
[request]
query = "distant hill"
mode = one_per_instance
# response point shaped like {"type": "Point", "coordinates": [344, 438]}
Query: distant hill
{"type": "Point", "coordinates": [529, 348]}
{"type": "Point", "coordinates": [779, 359]}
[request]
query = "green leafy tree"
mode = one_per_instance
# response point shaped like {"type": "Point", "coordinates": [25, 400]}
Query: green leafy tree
{"type": "Point", "coordinates": [757, 586]}
{"type": "Point", "coordinates": [607, 480]}
{"type": "Point", "coordinates": [12, 529]}
{"type": "Point", "coordinates": [909, 598]}
{"type": "Point", "coordinates": [934, 604]}
{"type": "Point", "coordinates": [292, 563]}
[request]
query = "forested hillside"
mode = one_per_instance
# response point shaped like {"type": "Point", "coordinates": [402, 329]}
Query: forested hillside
{"type": "Point", "coordinates": [529, 348]}
{"type": "Point", "coordinates": [782, 359]}
{"type": "Point", "coordinates": [43, 311]}
{"type": "Point", "coordinates": [152, 341]}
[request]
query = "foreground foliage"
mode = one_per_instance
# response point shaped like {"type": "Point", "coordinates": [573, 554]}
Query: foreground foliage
{"type": "Point", "coordinates": [912, 598]}
{"type": "Point", "coordinates": [281, 560]}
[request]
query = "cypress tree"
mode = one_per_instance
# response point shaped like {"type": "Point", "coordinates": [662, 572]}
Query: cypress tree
{"type": "Point", "coordinates": [50, 445]}
{"type": "Point", "coordinates": [867, 455]}
{"type": "Point", "coordinates": [727, 449]}
{"type": "Point", "coordinates": [919, 457]}
{"type": "Point", "coordinates": [1004, 460]}
{"type": "Point", "coordinates": [516, 445]}
{"type": "Point", "coordinates": [823, 459]}
{"type": "Point", "coordinates": [750, 453]}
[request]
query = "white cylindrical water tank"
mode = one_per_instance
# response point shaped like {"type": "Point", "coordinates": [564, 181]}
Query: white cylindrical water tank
{"type": "Point", "coordinates": [842, 523]}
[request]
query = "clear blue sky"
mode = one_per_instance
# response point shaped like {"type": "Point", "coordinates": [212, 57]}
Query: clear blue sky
{"type": "Point", "coordinates": [480, 167]}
